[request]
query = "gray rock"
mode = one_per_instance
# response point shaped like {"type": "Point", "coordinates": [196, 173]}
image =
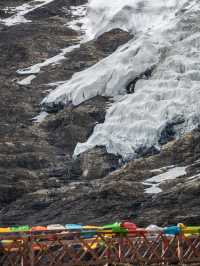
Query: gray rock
{"type": "Point", "coordinates": [40, 181]}
{"type": "Point", "coordinates": [97, 163]}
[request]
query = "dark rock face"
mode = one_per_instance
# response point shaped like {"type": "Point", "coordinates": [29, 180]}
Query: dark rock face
{"type": "Point", "coordinates": [36, 164]}
{"type": "Point", "coordinates": [110, 41]}
{"type": "Point", "coordinates": [145, 75]}
{"type": "Point", "coordinates": [75, 124]}
{"type": "Point", "coordinates": [40, 181]}
{"type": "Point", "coordinates": [119, 195]}
{"type": "Point", "coordinates": [97, 163]}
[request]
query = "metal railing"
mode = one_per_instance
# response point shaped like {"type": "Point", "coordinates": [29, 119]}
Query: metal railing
{"type": "Point", "coordinates": [64, 248]}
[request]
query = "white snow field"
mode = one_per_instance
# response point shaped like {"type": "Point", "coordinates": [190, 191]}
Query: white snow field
{"type": "Point", "coordinates": [23, 10]}
{"type": "Point", "coordinates": [167, 41]}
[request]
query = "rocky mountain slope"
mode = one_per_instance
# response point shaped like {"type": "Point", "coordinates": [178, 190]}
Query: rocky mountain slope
{"type": "Point", "coordinates": [42, 45]}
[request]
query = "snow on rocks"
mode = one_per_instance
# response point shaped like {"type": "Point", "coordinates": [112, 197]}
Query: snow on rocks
{"type": "Point", "coordinates": [168, 97]}
{"type": "Point", "coordinates": [79, 21]}
{"type": "Point", "coordinates": [40, 118]}
{"type": "Point", "coordinates": [155, 181]}
{"type": "Point", "coordinates": [26, 81]}
{"type": "Point", "coordinates": [23, 10]}
{"type": "Point", "coordinates": [35, 69]}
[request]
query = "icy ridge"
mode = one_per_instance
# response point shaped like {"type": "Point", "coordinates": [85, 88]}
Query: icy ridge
{"type": "Point", "coordinates": [170, 96]}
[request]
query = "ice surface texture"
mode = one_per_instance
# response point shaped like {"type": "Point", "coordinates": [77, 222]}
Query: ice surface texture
{"type": "Point", "coordinates": [166, 46]}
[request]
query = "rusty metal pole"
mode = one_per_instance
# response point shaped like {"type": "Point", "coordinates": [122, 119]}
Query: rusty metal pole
{"type": "Point", "coordinates": [24, 258]}
{"type": "Point", "coordinates": [31, 252]}
{"type": "Point", "coordinates": [180, 248]}
{"type": "Point", "coordinates": [164, 247]}
{"type": "Point", "coordinates": [108, 254]}
{"type": "Point", "coordinates": [120, 249]}
{"type": "Point", "coordinates": [28, 255]}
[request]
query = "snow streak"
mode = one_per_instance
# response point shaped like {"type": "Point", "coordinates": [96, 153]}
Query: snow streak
{"type": "Point", "coordinates": [23, 10]}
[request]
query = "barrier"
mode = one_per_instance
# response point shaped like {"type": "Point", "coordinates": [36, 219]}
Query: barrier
{"type": "Point", "coordinates": [65, 248]}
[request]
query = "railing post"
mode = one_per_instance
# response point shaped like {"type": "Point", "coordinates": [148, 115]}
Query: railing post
{"type": "Point", "coordinates": [25, 260]}
{"type": "Point", "coordinates": [120, 248]}
{"type": "Point", "coordinates": [180, 247]}
{"type": "Point", "coordinates": [24, 257]}
{"type": "Point", "coordinates": [31, 252]}
{"type": "Point", "coordinates": [28, 254]}
{"type": "Point", "coordinates": [165, 244]}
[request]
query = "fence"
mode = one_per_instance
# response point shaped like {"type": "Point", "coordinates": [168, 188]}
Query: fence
{"type": "Point", "coordinates": [64, 248]}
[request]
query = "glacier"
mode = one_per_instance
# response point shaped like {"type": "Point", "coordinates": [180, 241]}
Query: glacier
{"type": "Point", "coordinates": [129, 15]}
{"type": "Point", "coordinates": [166, 44]}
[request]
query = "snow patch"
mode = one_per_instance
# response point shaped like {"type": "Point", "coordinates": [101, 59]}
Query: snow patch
{"type": "Point", "coordinates": [40, 118]}
{"type": "Point", "coordinates": [26, 81]}
{"type": "Point", "coordinates": [23, 10]}
{"type": "Point", "coordinates": [78, 13]}
{"type": "Point", "coordinates": [35, 69]}
{"type": "Point", "coordinates": [154, 182]}
{"type": "Point", "coordinates": [194, 177]}
{"type": "Point", "coordinates": [79, 21]}
{"type": "Point", "coordinates": [160, 170]}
